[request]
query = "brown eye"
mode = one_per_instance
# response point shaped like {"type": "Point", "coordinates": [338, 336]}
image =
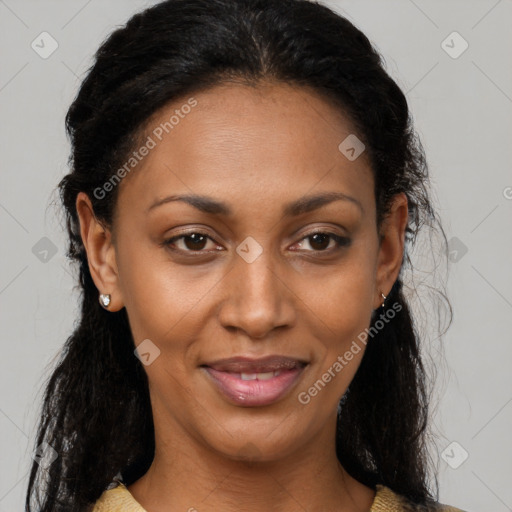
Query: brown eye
{"type": "Point", "coordinates": [321, 241]}
{"type": "Point", "coordinates": [189, 242]}
{"type": "Point", "coordinates": [195, 241]}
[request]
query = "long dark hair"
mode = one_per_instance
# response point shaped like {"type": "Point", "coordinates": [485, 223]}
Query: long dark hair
{"type": "Point", "coordinates": [96, 412]}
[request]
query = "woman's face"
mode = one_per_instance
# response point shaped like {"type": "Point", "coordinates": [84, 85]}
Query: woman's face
{"type": "Point", "coordinates": [246, 310]}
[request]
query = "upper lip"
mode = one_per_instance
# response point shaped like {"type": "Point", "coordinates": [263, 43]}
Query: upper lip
{"type": "Point", "coordinates": [259, 365]}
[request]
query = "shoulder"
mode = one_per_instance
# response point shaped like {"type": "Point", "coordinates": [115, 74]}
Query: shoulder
{"type": "Point", "coordinates": [117, 499]}
{"type": "Point", "coordinates": [388, 501]}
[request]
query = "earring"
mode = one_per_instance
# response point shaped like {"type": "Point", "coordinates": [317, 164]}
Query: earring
{"type": "Point", "coordinates": [384, 297]}
{"type": "Point", "coordinates": [105, 299]}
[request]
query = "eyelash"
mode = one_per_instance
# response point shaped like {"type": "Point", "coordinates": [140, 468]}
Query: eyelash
{"type": "Point", "coordinates": [340, 240]}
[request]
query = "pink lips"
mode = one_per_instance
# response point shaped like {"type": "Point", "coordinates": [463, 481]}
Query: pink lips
{"type": "Point", "coordinates": [255, 382]}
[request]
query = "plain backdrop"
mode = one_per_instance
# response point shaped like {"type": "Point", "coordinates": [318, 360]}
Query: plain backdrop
{"type": "Point", "coordinates": [452, 58]}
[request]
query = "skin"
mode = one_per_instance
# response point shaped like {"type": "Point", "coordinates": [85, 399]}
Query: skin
{"type": "Point", "coordinates": [256, 149]}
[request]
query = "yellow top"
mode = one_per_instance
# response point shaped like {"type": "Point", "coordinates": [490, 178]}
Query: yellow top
{"type": "Point", "coordinates": [119, 499]}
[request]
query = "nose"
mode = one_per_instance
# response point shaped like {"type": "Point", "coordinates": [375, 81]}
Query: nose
{"type": "Point", "coordinates": [257, 297]}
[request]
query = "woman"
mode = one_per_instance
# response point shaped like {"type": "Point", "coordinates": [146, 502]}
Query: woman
{"type": "Point", "coordinates": [246, 187]}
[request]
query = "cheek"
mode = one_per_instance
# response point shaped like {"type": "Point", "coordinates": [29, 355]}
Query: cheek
{"type": "Point", "coordinates": [341, 309]}
{"type": "Point", "coordinates": [160, 297]}
{"type": "Point", "coordinates": [343, 298]}
{"type": "Point", "coordinates": [156, 291]}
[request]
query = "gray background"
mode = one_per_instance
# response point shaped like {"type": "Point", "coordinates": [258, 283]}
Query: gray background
{"type": "Point", "coordinates": [462, 109]}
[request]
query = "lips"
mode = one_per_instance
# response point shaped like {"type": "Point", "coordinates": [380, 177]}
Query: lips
{"type": "Point", "coordinates": [261, 365]}
{"type": "Point", "coordinates": [254, 382]}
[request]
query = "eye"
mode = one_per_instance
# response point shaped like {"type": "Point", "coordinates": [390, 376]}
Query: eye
{"type": "Point", "coordinates": [320, 241]}
{"type": "Point", "coordinates": [197, 242]}
{"type": "Point", "coordinates": [193, 241]}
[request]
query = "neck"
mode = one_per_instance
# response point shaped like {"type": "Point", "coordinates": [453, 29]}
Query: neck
{"type": "Point", "coordinates": [187, 476]}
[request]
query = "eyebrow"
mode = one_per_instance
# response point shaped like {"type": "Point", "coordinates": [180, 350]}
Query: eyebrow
{"type": "Point", "coordinates": [302, 205]}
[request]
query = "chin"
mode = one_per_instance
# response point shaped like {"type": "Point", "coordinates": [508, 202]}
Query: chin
{"type": "Point", "coordinates": [256, 446]}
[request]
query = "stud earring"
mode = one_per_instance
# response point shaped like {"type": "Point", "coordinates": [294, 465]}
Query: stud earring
{"type": "Point", "coordinates": [383, 302]}
{"type": "Point", "coordinates": [105, 299]}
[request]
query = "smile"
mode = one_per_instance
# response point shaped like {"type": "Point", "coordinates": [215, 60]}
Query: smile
{"type": "Point", "coordinates": [269, 380]}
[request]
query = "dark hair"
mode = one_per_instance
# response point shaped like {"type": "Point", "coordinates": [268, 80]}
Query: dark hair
{"type": "Point", "coordinates": [96, 411]}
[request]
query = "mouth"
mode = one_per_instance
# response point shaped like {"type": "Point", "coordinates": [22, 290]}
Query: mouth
{"type": "Point", "coordinates": [254, 382]}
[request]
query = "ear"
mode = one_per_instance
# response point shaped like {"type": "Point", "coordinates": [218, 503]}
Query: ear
{"type": "Point", "coordinates": [101, 255]}
{"type": "Point", "coordinates": [391, 247]}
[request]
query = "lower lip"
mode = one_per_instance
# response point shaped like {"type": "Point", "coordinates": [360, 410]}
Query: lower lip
{"type": "Point", "coordinates": [251, 393]}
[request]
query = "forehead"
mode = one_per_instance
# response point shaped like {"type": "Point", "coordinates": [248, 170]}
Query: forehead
{"type": "Point", "coordinates": [247, 144]}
